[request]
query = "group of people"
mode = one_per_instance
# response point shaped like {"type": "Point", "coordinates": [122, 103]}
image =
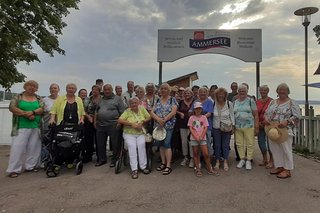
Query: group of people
{"type": "Point", "coordinates": [200, 119]}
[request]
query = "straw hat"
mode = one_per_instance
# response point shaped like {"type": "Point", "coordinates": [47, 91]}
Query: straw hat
{"type": "Point", "coordinates": [275, 133]}
{"type": "Point", "coordinates": [159, 133]}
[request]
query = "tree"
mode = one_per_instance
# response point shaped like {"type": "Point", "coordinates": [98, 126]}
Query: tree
{"type": "Point", "coordinates": [25, 23]}
{"type": "Point", "coordinates": [316, 29]}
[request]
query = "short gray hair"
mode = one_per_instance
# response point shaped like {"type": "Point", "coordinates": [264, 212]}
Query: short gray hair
{"type": "Point", "coordinates": [242, 86]}
{"type": "Point", "coordinates": [283, 85]}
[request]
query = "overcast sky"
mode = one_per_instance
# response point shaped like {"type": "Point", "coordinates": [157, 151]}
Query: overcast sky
{"type": "Point", "coordinates": [116, 40]}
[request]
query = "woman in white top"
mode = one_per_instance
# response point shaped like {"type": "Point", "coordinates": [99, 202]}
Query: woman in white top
{"type": "Point", "coordinates": [48, 103]}
{"type": "Point", "coordinates": [223, 127]}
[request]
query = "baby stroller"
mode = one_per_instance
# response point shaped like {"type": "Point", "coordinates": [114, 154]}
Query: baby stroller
{"type": "Point", "coordinates": [66, 147]}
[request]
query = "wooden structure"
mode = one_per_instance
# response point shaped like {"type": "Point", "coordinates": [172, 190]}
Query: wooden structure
{"type": "Point", "coordinates": [184, 81]}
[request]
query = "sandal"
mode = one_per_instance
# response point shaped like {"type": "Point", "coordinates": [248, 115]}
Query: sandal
{"type": "Point", "coordinates": [13, 175]}
{"type": "Point", "coordinates": [198, 173]}
{"type": "Point", "coordinates": [225, 167]}
{"type": "Point", "coordinates": [284, 174]}
{"type": "Point", "coordinates": [146, 171]}
{"type": "Point", "coordinates": [167, 171]}
{"type": "Point", "coordinates": [134, 174]}
{"type": "Point", "coordinates": [276, 171]}
{"type": "Point", "coordinates": [269, 166]}
{"type": "Point", "coordinates": [213, 172]}
{"type": "Point", "coordinates": [161, 167]}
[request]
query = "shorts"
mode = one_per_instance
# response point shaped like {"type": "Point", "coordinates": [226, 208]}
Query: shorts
{"type": "Point", "coordinates": [166, 143]}
{"type": "Point", "coordinates": [195, 143]}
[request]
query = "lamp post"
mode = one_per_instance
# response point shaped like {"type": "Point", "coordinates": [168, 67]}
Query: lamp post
{"type": "Point", "coordinates": [306, 13]}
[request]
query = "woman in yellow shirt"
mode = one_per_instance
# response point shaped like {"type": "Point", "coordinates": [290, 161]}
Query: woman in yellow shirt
{"type": "Point", "coordinates": [133, 120]}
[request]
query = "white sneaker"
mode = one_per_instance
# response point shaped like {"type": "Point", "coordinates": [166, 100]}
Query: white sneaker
{"type": "Point", "coordinates": [191, 163]}
{"type": "Point", "coordinates": [248, 165]}
{"type": "Point", "coordinates": [184, 161]}
{"type": "Point", "coordinates": [241, 164]}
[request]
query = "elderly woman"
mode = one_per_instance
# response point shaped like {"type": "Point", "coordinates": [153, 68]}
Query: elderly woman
{"type": "Point", "coordinates": [207, 109]}
{"type": "Point", "coordinates": [68, 108]}
{"type": "Point", "coordinates": [182, 123]}
{"type": "Point", "coordinates": [133, 119]}
{"type": "Point", "coordinates": [140, 94]}
{"type": "Point", "coordinates": [163, 114]}
{"type": "Point", "coordinates": [246, 126]}
{"type": "Point", "coordinates": [26, 108]}
{"type": "Point", "coordinates": [223, 124]}
{"type": "Point", "coordinates": [286, 113]}
{"type": "Point", "coordinates": [262, 105]}
{"type": "Point", "coordinates": [54, 90]}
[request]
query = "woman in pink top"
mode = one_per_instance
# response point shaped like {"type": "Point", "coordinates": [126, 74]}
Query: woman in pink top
{"type": "Point", "coordinates": [198, 125]}
{"type": "Point", "coordinates": [262, 105]}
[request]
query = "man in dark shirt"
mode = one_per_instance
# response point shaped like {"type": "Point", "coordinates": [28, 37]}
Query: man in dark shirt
{"type": "Point", "coordinates": [234, 91]}
{"type": "Point", "coordinates": [108, 111]}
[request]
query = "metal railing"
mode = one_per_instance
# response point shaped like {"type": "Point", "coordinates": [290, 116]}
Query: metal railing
{"type": "Point", "coordinates": [308, 133]}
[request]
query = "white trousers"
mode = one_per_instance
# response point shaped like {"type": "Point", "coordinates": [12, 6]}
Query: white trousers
{"type": "Point", "coordinates": [27, 142]}
{"type": "Point", "coordinates": [185, 143]}
{"type": "Point", "coordinates": [137, 150]}
{"type": "Point", "coordinates": [282, 153]}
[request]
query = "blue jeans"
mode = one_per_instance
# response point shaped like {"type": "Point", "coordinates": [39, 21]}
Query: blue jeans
{"type": "Point", "coordinates": [166, 143]}
{"type": "Point", "coordinates": [262, 141]}
{"type": "Point", "coordinates": [221, 144]}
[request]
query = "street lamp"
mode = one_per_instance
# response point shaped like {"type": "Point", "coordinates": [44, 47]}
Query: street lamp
{"type": "Point", "coordinates": [306, 13]}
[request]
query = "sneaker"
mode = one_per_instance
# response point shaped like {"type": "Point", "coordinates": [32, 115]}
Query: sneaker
{"type": "Point", "coordinates": [241, 164]}
{"type": "Point", "coordinates": [191, 163]}
{"type": "Point", "coordinates": [248, 165]}
{"type": "Point", "coordinates": [184, 162]}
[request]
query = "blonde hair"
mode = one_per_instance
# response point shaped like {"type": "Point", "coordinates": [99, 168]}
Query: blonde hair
{"type": "Point", "coordinates": [72, 84]}
{"type": "Point", "coordinates": [31, 83]}
{"type": "Point", "coordinates": [221, 90]}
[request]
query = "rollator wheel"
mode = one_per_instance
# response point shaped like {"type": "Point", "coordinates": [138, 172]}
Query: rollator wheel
{"type": "Point", "coordinates": [79, 168]}
{"type": "Point", "coordinates": [52, 170]}
{"type": "Point", "coordinates": [118, 165]}
{"type": "Point", "coordinates": [125, 158]}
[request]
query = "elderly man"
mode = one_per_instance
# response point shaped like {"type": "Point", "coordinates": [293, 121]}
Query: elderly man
{"type": "Point", "coordinates": [234, 91]}
{"type": "Point", "coordinates": [108, 111]}
{"type": "Point", "coordinates": [129, 93]}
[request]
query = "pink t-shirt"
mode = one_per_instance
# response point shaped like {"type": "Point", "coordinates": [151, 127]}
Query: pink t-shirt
{"type": "Point", "coordinates": [198, 123]}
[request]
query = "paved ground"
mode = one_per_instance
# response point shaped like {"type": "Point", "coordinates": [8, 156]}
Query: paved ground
{"type": "Point", "coordinates": [100, 190]}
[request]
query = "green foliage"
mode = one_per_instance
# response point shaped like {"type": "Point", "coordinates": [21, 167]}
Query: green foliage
{"type": "Point", "coordinates": [24, 23]}
{"type": "Point", "coordinates": [316, 29]}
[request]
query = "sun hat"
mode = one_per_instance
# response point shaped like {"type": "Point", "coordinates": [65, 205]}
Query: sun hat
{"type": "Point", "coordinates": [159, 133]}
{"type": "Point", "coordinates": [275, 133]}
{"type": "Point", "coordinates": [197, 105]}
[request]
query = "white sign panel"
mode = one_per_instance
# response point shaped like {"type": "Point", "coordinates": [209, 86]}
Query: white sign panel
{"type": "Point", "coordinates": [244, 44]}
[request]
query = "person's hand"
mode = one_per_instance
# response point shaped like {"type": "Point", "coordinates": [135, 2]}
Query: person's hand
{"type": "Point", "coordinates": [181, 115]}
{"type": "Point", "coordinates": [81, 122]}
{"type": "Point", "coordinates": [232, 131]}
{"type": "Point", "coordinates": [52, 121]}
{"type": "Point", "coordinates": [266, 122]}
{"type": "Point", "coordinates": [31, 117]}
{"type": "Point", "coordinates": [28, 114]}
{"type": "Point", "coordinates": [161, 122]}
{"type": "Point", "coordinates": [283, 124]}
{"type": "Point", "coordinates": [256, 131]}
{"type": "Point", "coordinates": [90, 119]}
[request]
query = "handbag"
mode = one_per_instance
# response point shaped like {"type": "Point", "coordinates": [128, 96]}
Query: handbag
{"type": "Point", "coordinates": [225, 127]}
{"type": "Point", "coordinates": [148, 136]}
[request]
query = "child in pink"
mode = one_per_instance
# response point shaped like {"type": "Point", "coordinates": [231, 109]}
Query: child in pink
{"type": "Point", "coordinates": [198, 125]}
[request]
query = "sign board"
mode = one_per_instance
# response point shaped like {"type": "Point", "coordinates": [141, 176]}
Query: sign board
{"type": "Point", "coordinates": [244, 44]}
